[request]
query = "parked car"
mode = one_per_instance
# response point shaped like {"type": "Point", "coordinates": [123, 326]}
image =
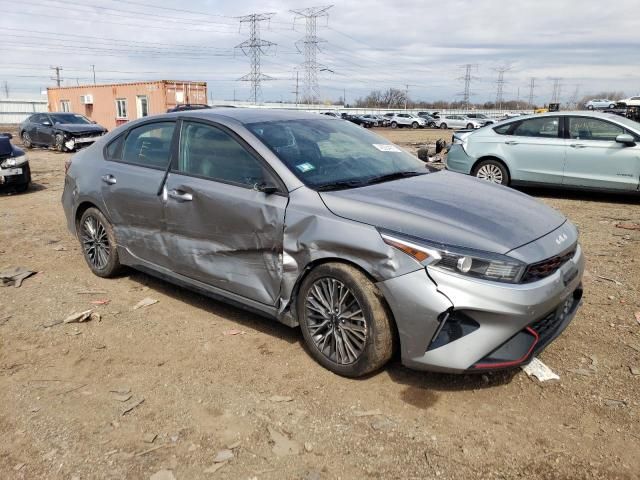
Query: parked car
{"type": "Point", "coordinates": [629, 102]}
{"type": "Point", "coordinates": [600, 103]}
{"type": "Point", "coordinates": [569, 149]}
{"type": "Point", "coordinates": [431, 121]}
{"type": "Point", "coordinates": [332, 114]}
{"type": "Point", "coordinates": [362, 121]}
{"type": "Point", "coordinates": [379, 121]}
{"type": "Point", "coordinates": [375, 251]}
{"type": "Point", "coordinates": [190, 106]}
{"type": "Point", "coordinates": [15, 173]}
{"type": "Point", "coordinates": [457, 121]}
{"type": "Point", "coordinates": [407, 120]}
{"type": "Point", "coordinates": [62, 131]}
{"type": "Point", "coordinates": [481, 118]}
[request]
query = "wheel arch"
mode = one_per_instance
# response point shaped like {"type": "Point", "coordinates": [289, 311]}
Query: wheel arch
{"type": "Point", "coordinates": [494, 158]}
{"type": "Point", "coordinates": [82, 207]}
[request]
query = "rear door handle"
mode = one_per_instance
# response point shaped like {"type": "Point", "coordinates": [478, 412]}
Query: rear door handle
{"type": "Point", "coordinates": [109, 179]}
{"type": "Point", "coordinates": [511, 142]}
{"type": "Point", "coordinates": [180, 195]}
{"type": "Point", "coordinates": [577, 145]}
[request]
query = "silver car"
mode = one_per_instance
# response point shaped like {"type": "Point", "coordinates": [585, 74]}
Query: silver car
{"type": "Point", "coordinates": [570, 149]}
{"type": "Point", "coordinates": [457, 121]}
{"type": "Point", "coordinates": [318, 223]}
{"type": "Point", "coordinates": [407, 120]}
{"type": "Point", "coordinates": [600, 103]}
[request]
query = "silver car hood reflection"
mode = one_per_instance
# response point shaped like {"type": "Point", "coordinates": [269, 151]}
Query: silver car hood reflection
{"type": "Point", "coordinates": [449, 208]}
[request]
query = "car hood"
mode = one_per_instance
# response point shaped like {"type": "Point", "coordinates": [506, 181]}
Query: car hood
{"type": "Point", "coordinates": [449, 208]}
{"type": "Point", "coordinates": [76, 128]}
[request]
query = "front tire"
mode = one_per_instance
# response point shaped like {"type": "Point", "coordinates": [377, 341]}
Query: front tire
{"type": "Point", "coordinates": [394, 124]}
{"type": "Point", "coordinates": [443, 126]}
{"type": "Point", "coordinates": [590, 107]}
{"type": "Point", "coordinates": [98, 243]}
{"type": "Point", "coordinates": [414, 125]}
{"type": "Point", "coordinates": [26, 140]}
{"type": "Point", "coordinates": [469, 126]}
{"type": "Point", "coordinates": [59, 142]}
{"type": "Point", "coordinates": [344, 321]}
{"type": "Point", "coordinates": [612, 106]}
{"type": "Point", "coordinates": [492, 171]}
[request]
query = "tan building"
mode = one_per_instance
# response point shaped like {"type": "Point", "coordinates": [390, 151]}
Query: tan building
{"type": "Point", "coordinates": [114, 104]}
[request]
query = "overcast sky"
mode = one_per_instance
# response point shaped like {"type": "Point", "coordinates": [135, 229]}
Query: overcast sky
{"type": "Point", "coordinates": [590, 45]}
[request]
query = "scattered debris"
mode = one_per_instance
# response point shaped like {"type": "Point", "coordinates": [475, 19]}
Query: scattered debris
{"type": "Point", "coordinates": [122, 397]}
{"type": "Point", "coordinates": [234, 445]}
{"type": "Point", "coordinates": [18, 467]}
{"type": "Point", "coordinates": [91, 292]}
{"type": "Point", "coordinates": [312, 475]}
{"type": "Point", "coordinates": [613, 403]}
{"type": "Point", "coordinates": [5, 319]}
{"type": "Point", "coordinates": [104, 301]}
{"type": "Point", "coordinates": [60, 248]}
{"type": "Point", "coordinates": [121, 390]}
{"type": "Point", "coordinates": [215, 467]}
{"type": "Point", "coordinates": [223, 456]}
{"type": "Point", "coordinates": [80, 317]}
{"type": "Point", "coordinates": [608, 279]}
{"type": "Point", "coordinates": [367, 413]}
{"type": "Point", "coordinates": [635, 370]}
{"type": "Point", "coordinates": [637, 315]}
{"type": "Point", "coordinates": [308, 447]}
{"type": "Point", "coordinates": [132, 406]}
{"type": "Point", "coordinates": [149, 438]}
{"type": "Point", "coordinates": [14, 276]}
{"type": "Point", "coordinates": [539, 370]}
{"type": "Point", "coordinates": [282, 444]}
{"type": "Point", "coordinates": [628, 226]}
{"type": "Point", "coordinates": [279, 398]}
{"type": "Point", "coordinates": [581, 371]}
{"type": "Point", "coordinates": [382, 423]}
{"type": "Point", "coordinates": [145, 302]}
{"type": "Point", "coordinates": [163, 475]}
{"type": "Point", "coordinates": [152, 449]}
{"type": "Point", "coordinates": [234, 331]}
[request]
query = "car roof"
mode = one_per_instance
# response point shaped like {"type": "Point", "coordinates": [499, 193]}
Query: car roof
{"type": "Point", "coordinates": [247, 115]}
{"type": "Point", "coordinates": [576, 113]}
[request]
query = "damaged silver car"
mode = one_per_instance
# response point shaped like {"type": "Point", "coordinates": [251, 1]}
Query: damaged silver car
{"type": "Point", "coordinates": [316, 222]}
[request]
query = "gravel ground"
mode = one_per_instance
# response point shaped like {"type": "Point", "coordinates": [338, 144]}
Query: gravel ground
{"type": "Point", "coordinates": [213, 378]}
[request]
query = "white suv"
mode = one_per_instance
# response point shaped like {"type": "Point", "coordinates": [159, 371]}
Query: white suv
{"type": "Point", "coordinates": [457, 121]}
{"type": "Point", "coordinates": [407, 120]}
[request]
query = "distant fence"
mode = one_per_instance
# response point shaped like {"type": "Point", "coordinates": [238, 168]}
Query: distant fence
{"type": "Point", "coordinates": [16, 111]}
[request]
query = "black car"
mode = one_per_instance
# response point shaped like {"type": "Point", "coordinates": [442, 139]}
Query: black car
{"type": "Point", "coordinates": [431, 121]}
{"type": "Point", "coordinates": [362, 121]}
{"type": "Point", "coordinates": [188, 106]}
{"type": "Point", "coordinates": [66, 132]}
{"type": "Point", "coordinates": [14, 167]}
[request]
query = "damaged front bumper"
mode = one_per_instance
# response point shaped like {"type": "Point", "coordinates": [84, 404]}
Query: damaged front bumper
{"type": "Point", "coordinates": [15, 176]}
{"type": "Point", "coordinates": [451, 323]}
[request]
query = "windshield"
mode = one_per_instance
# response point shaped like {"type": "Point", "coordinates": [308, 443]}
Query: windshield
{"type": "Point", "coordinates": [70, 118]}
{"type": "Point", "coordinates": [331, 154]}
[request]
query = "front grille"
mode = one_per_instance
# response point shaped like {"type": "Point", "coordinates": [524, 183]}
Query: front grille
{"type": "Point", "coordinates": [540, 270]}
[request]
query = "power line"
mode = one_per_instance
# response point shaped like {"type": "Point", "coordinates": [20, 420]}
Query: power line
{"type": "Point", "coordinates": [311, 41]}
{"type": "Point", "coordinates": [253, 48]}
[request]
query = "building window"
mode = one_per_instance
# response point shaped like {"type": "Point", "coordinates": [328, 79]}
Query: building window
{"type": "Point", "coordinates": [121, 108]}
{"type": "Point", "coordinates": [65, 106]}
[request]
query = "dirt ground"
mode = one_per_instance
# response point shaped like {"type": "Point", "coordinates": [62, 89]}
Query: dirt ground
{"type": "Point", "coordinates": [71, 393]}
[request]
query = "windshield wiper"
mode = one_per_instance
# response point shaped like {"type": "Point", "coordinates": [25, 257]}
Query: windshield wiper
{"type": "Point", "coordinates": [339, 185]}
{"type": "Point", "coordinates": [391, 176]}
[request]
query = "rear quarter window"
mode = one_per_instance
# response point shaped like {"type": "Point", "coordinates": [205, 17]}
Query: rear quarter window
{"type": "Point", "coordinates": [504, 129]}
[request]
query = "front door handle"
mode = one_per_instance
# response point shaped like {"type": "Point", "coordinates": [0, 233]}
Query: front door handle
{"type": "Point", "coordinates": [180, 195]}
{"type": "Point", "coordinates": [108, 179]}
{"type": "Point", "coordinates": [511, 142]}
{"type": "Point", "coordinates": [577, 145]}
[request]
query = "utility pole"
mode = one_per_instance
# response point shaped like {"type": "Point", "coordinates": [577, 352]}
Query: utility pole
{"type": "Point", "coordinates": [93, 69]}
{"type": "Point", "coordinates": [58, 79]}
{"type": "Point", "coordinates": [557, 89]}
{"type": "Point", "coordinates": [253, 48]}
{"type": "Point", "coordinates": [310, 42]}
{"type": "Point", "coordinates": [466, 95]}
{"type": "Point", "coordinates": [532, 87]}
{"type": "Point", "coordinates": [5, 86]}
{"type": "Point", "coordinates": [344, 97]}
{"type": "Point", "coordinates": [500, 85]}
{"type": "Point", "coordinates": [297, 90]}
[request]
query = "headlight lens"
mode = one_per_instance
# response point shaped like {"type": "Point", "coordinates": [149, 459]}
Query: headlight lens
{"type": "Point", "coordinates": [14, 161]}
{"type": "Point", "coordinates": [471, 263]}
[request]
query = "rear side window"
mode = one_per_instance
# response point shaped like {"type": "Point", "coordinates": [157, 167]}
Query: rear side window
{"type": "Point", "coordinates": [114, 149]}
{"type": "Point", "coordinates": [584, 128]}
{"type": "Point", "coordinates": [544, 127]}
{"type": "Point", "coordinates": [149, 145]}
{"type": "Point", "coordinates": [504, 129]}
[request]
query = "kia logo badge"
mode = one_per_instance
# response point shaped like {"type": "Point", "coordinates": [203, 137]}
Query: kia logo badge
{"type": "Point", "coordinates": [561, 238]}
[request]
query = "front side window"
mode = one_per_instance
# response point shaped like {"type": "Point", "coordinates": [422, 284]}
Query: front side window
{"type": "Point", "coordinates": [584, 128]}
{"type": "Point", "coordinates": [210, 152]}
{"type": "Point", "coordinates": [65, 106]}
{"type": "Point", "coordinates": [544, 127]}
{"type": "Point", "coordinates": [70, 118]}
{"type": "Point", "coordinates": [121, 108]}
{"type": "Point", "coordinates": [149, 145]}
{"type": "Point", "coordinates": [325, 154]}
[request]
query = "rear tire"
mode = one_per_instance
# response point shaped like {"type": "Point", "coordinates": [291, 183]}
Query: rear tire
{"type": "Point", "coordinates": [26, 140]}
{"type": "Point", "coordinates": [344, 321]}
{"type": "Point", "coordinates": [443, 126]}
{"type": "Point", "coordinates": [414, 125]}
{"type": "Point", "coordinates": [469, 126]}
{"type": "Point", "coordinates": [59, 142]}
{"type": "Point", "coordinates": [394, 124]}
{"type": "Point", "coordinates": [98, 243]}
{"type": "Point", "coordinates": [492, 171]}
{"type": "Point", "coordinates": [590, 107]}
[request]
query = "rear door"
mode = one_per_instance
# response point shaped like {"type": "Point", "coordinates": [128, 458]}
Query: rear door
{"type": "Point", "coordinates": [220, 229]}
{"type": "Point", "coordinates": [595, 159]}
{"type": "Point", "coordinates": [535, 150]}
{"type": "Point", "coordinates": [130, 178]}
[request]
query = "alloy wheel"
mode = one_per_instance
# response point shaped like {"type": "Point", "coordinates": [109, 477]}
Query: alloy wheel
{"type": "Point", "coordinates": [95, 242]}
{"type": "Point", "coordinates": [26, 140]}
{"type": "Point", "coordinates": [335, 321]}
{"type": "Point", "coordinates": [490, 172]}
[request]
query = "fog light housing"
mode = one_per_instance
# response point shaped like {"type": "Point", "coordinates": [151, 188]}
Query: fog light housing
{"type": "Point", "coordinates": [453, 326]}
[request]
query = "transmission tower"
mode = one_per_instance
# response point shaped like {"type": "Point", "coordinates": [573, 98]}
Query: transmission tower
{"type": "Point", "coordinates": [466, 95]}
{"type": "Point", "coordinates": [500, 85]}
{"type": "Point", "coordinates": [532, 87]}
{"type": "Point", "coordinates": [253, 48]}
{"type": "Point", "coordinates": [557, 90]}
{"type": "Point", "coordinates": [310, 41]}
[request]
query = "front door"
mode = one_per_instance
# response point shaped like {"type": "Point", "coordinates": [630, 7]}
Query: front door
{"type": "Point", "coordinates": [595, 159]}
{"type": "Point", "coordinates": [536, 151]}
{"type": "Point", "coordinates": [130, 179]}
{"type": "Point", "coordinates": [222, 230]}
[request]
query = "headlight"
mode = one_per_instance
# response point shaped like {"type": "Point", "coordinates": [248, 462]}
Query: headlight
{"type": "Point", "coordinates": [14, 161]}
{"type": "Point", "coordinates": [471, 263]}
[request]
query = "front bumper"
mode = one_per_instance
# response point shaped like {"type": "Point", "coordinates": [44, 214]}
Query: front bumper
{"type": "Point", "coordinates": [15, 176]}
{"type": "Point", "coordinates": [496, 322]}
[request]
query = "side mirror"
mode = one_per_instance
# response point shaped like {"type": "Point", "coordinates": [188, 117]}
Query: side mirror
{"type": "Point", "coordinates": [46, 123]}
{"type": "Point", "coordinates": [626, 139]}
{"type": "Point", "coordinates": [266, 188]}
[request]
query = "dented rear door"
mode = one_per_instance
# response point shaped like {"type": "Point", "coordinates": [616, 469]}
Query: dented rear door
{"type": "Point", "coordinates": [221, 229]}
